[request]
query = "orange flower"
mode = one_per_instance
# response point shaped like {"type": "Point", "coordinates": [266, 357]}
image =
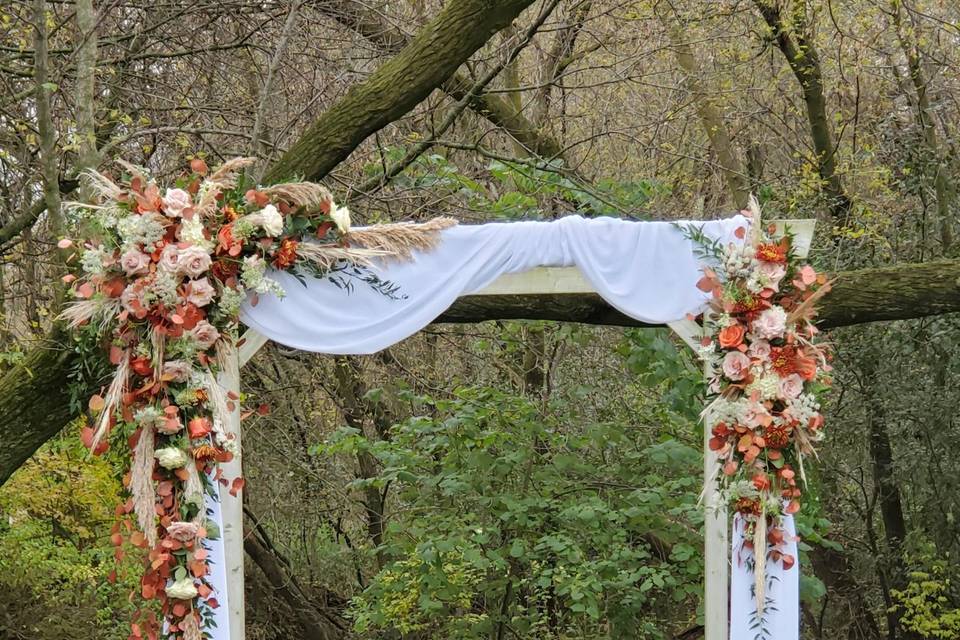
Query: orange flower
{"type": "Point", "coordinates": [777, 436]}
{"type": "Point", "coordinates": [732, 336]}
{"type": "Point", "coordinates": [790, 359]}
{"type": "Point", "coordinates": [199, 427]}
{"type": "Point", "coordinates": [227, 243]}
{"type": "Point", "coordinates": [774, 252]}
{"type": "Point", "coordinates": [286, 255]}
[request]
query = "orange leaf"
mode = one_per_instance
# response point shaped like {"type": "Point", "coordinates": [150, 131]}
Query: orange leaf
{"type": "Point", "coordinates": [236, 486]}
{"type": "Point", "coordinates": [96, 403]}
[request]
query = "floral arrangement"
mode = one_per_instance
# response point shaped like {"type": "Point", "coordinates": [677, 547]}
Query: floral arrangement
{"type": "Point", "coordinates": [765, 368]}
{"type": "Point", "coordinates": [162, 274]}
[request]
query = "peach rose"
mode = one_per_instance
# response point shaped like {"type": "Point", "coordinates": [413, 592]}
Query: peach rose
{"type": "Point", "coordinates": [732, 336]}
{"type": "Point", "coordinates": [759, 349]}
{"type": "Point", "coordinates": [773, 273]}
{"type": "Point", "coordinates": [170, 258]}
{"type": "Point", "coordinates": [736, 365]}
{"type": "Point", "coordinates": [178, 370]}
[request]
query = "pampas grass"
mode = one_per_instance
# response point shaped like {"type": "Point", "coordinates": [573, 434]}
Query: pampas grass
{"type": "Point", "coordinates": [303, 194]}
{"type": "Point", "coordinates": [101, 186]}
{"type": "Point", "coordinates": [141, 485]}
{"type": "Point", "coordinates": [118, 387]}
{"type": "Point", "coordinates": [225, 176]}
{"type": "Point", "coordinates": [400, 239]}
{"type": "Point", "coordinates": [101, 310]}
{"type": "Point", "coordinates": [327, 256]}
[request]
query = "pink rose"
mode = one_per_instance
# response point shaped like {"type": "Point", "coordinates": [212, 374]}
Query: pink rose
{"type": "Point", "coordinates": [134, 262]}
{"type": "Point", "coordinates": [771, 324]}
{"type": "Point", "coordinates": [169, 425]}
{"type": "Point", "coordinates": [178, 370]}
{"type": "Point", "coordinates": [756, 415]}
{"type": "Point", "coordinates": [183, 531]}
{"type": "Point", "coordinates": [176, 202]}
{"type": "Point", "coordinates": [759, 349]}
{"type": "Point", "coordinates": [791, 386]}
{"type": "Point", "coordinates": [170, 258]}
{"type": "Point", "coordinates": [773, 272]}
{"type": "Point", "coordinates": [200, 292]}
{"type": "Point", "coordinates": [736, 365]}
{"type": "Point", "coordinates": [205, 334]}
{"type": "Point", "coordinates": [194, 261]}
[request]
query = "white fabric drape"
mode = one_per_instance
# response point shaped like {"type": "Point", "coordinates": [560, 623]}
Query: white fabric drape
{"type": "Point", "coordinates": [647, 270]}
{"type": "Point", "coordinates": [781, 618]}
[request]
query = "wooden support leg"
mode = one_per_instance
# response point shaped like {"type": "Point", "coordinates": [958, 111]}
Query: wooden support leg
{"type": "Point", "coordinates": [232, 507]}
{"type": "Point", "coordinates": [716, 548]}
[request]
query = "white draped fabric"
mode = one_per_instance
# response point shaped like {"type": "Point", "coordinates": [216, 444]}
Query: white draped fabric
{"type": "Point", "coordinates": [781, 619]}
{"type": "Point", "coordinates": [647, 270]}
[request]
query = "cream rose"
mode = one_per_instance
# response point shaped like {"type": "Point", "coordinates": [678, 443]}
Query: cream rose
{"type": "Point", "coordinates": [201, 292]}
{"type": "Point", "coordinates": [171, 457]}
{"type": "Point", "coordinates": [205, 334]}
{"type": "Point", "coordinates": [771, 324]}
{"type": "Point", "coordinates": [271, 221]}
{"type": "Point", "coordinates": [194, 261]}
{"type": "Point", "coordinates": [791, 387]}
{"type": "Point", "coordinates": [182, 589]}
{"type": "Point", "coordinates": [176, 202]}
{"type": "Point", "coordinates": [736, 365]}
{"type": "Point", "coordinates": [341, 218]}
{"type": "Point", "coordinates": [134, 262]}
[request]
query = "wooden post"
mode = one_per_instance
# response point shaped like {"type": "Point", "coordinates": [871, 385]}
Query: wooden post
{"type": "Point", "coordinates": [231, 507]}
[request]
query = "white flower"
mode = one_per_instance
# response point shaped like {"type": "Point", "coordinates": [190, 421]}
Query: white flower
{"type": "Point", "coordinates": [771, 324]}
{"type": "Point", "coordinates": [231, 300]}
{"type": "Point", "coordinates": [766, 387]}
{"type": "Point", "coordinates": [192, 231]}
{"type": "Point", "coordinates": [141, 231]}
{"type": "Point", "coordinates": [171, 457]}
{"type": "Point", "coordinates": [92, 260]}
{"type": "Point", "coordinates": [134, 262]}
{"type": "Point", "coordinates": [176, 202]}
{"type": "Point", "coordinates": [271, 221]}
{"type": "Point", "coordinates": [340, 217]}
{"type": "Point", "coordinates": [182, 589]}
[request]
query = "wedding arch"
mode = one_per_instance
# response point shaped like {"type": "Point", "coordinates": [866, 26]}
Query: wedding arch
{"type": "Point", "coordinates": [168, 274]}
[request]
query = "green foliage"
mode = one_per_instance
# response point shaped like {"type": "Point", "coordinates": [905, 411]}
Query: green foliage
{"type": "Point", "coordinates": [55, 552]}
{"type": "Point", "coordinates": [929, 604]}
{"type": "Point", "coordinates": [507, 518]}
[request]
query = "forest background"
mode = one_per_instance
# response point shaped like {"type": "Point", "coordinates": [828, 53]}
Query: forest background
{"type": "Point", "coordinates": [505, 479]}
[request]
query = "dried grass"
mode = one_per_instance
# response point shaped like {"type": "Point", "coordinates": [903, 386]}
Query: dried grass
{"type": "Point", "coordinates": [225, 176]}
{"type": "Point", "coordinates": [303, 194]}
{"type": "Point", "coordinates": [400, 239]}
{"type": "Point", "coordinates": [118, 387]}
{"type": "Point", "coordinates": [141, 485]}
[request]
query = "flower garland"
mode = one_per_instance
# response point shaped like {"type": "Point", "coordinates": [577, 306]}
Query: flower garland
{"type": "Point", "coordinates": [162, 276]}
{"type": "Point", "coordinates": [766, 368]}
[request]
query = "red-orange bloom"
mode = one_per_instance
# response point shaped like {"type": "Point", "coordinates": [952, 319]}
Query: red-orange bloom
{"type": "Point", "coordinates": [286, 255]}
{"type": "Point", "coordinates": [226, 243]}
{"type": "Point", "coordinates": [774, 252]}
{"type": "Point", "coordinates": [790, 359]}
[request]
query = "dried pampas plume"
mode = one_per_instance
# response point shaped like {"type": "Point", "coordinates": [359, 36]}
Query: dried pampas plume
{"type": "Point", "coordinates": [303, 194]}
{"type": "Point", "coordinates": [225, 176]}
{"type": "Point", "coordinates": [117, 388]}
{"type": "Point", "coordinates": [190, 628]}
{"type": "Point", "coordinates": [327, 256]}
{"type": "Point", "coordinates": [400, 239]}
{"type": "Point", "coordinates": [101, 186]}
{"type": "Point", "coordinates": [134, 170]}
{"type": "Point", "coordinates": [81, 311]}
{"type": "Point", "coordinates": [141, 485]}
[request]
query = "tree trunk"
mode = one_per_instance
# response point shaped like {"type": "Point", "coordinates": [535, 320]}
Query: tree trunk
{"type": "Point", "coordinates": [804, 61]}
{"type": "Point", "coordinates": [400, 84]}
